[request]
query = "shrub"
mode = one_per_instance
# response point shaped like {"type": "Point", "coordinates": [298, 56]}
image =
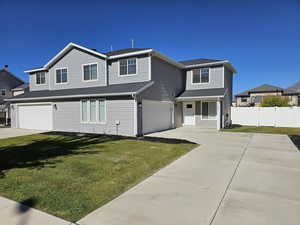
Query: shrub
{"type": "Point", "coordinates": [275, 100]}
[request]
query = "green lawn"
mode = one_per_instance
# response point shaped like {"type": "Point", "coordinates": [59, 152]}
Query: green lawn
{"type": "Point", "coordinates": [71, 176]}
{"type": "Point", "coordinates": [269, 130]}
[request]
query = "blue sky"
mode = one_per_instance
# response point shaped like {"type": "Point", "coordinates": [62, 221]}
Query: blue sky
{"type": "Point", "coordinates": [260, 38]}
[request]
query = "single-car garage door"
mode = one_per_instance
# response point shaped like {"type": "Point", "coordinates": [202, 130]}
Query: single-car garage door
{"type": "Point", "coordinates": [157, 116]}
{"type": "Point", "coordinates": [39, 117]}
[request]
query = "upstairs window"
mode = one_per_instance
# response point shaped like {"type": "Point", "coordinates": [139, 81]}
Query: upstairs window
{"type": "Point", "coordinates": [90, 72]}
{"type": "Point", "coordinates": [40, 78]}
{"type": "Point", "coordinates": [3, 92]}
{"type": "Point", "coordinates": [200, 76]}
{"type": "Point", "coordinates": [61, 75]}
{"type": "Point", "coordinates": [127, 66]}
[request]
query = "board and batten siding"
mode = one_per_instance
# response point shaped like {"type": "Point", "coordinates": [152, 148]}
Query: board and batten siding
{"type": "Point", "coordinates": [67, 118]}
{"type": "Point", "coordinates": [143, 71]}
{"type": "Point", "coordinates": [169, 81]}
{"type": "Point", "coordinates": [216, 79]}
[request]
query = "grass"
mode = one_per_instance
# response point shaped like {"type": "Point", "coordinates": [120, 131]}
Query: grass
{"type": "Point", "coordinates": [269, 130]}
{"type": "Point", "coordinates": [70, 176]}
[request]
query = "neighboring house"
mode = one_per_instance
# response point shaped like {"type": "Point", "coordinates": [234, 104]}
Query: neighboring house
{"type": "Point", "coordinates": [255, 96]}
{"type": "Point", "coordinates": [128, 92]}
{"type": "Point", "coordinates": [8, 82]}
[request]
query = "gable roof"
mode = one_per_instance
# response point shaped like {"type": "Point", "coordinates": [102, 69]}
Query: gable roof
{"type": "Point", "coordinates": [261, 88]}
{"type": "Point", "coordinates": [111, 90]}
{"type": "Point", "coordinates": [21, 87]}
{"type": "Point", "coordinates": [10, 78]}
{"type": "Point", "coordinates": [131, 52]}
{"type": "Point", "coordinates": [124, 51]}
{"type": "Point", "coordinates": [295, 87]}
{"type": "Point", "coordinates": [198, 61]}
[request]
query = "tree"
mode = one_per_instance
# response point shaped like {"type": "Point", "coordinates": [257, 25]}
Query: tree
{"type": "Point", "coordinates": [275, 100]}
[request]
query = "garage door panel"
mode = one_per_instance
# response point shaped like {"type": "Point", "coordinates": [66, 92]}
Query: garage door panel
{"type": "Point", "coordinates": [39, 117]}
{"type": "Point", "coordinates": [156, 116]}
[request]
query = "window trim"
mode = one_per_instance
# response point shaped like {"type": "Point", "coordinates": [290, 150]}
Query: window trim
{"type": "Point", "coordinates": [36, 78]}
{"type": "Point", "coordinates": [67, 75]}
{"type": "Point", "coordinates": [216, 118]}
{"type": "Point", "coordinates": [82, 71]}
{"type": "Point", "coordinates": [88, 100]}
{"type": "Point", "coordinates": [192, 80]}
{"type": "Point", "coordinates": [128, 75]}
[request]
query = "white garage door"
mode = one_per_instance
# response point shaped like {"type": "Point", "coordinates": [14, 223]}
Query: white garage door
{"type": "Point", "coordinates": [157, 116]}
{"type": "Point", "coordinates": [37, 117]}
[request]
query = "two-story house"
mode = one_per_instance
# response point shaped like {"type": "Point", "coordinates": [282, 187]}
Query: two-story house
{"type": "Point", "coordinates": [8, 82]}
{"type": "Point", "coordinates": [127, 92]}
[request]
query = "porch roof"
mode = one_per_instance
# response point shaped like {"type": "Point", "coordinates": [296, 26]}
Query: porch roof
{"type": "Point", "coordinates": [202, 93]}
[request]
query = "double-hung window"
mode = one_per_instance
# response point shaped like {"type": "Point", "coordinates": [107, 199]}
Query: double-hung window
{"type": "Point", "coordinates": [90, 72]}
{"type": "Point", "coordinates": [200, 76]}
{"type": "Point", "coordinates": [61, 75]}
{"type": "Point", "coordinates": [209, 110]}
{"type": "Point", "coordinates": [40, 78]}
{"type": "Point", "coordinates": [127, 66]}
{"type": "Point", "coordinates": [93, 111]}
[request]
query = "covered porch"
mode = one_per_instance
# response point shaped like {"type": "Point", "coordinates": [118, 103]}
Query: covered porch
{"type": "Point", "coordinates": [193, 108]}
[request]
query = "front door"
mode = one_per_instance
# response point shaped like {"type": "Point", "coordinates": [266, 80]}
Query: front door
{"type": "Point", "coordinates": [189, 113]}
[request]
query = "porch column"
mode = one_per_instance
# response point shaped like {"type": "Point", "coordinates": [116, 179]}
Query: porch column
{"type": "Point", "coordinates": [218, 114]}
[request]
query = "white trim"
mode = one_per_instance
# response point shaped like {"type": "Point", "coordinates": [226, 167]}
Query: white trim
{"type": "Point", "coordinates": [36, 84]}
{"type": "Point", "coordinates": [135, 117]}
{"type": "Point", "coordinates": [208, 110]}
{"type": "Point", "coordinates": [167, 59]}
{"type": "Point", "coordinates": [183, 112]}
{"type": "Point", "coordinates": [35, 70]}
{"type": "Point", "coordinates": [200, 98]}
{"type": "Point", "coordinates": [34, 103]}
{"type": "Point", "coordinates": [132, 74]}
{"type": "Point", "coordinates": [150, 66]}
{"type": "Point", "coordinates": [131, 54]}
{"type": "Point", "coordinates": [71, 96]}
{"type": "Point", "coordinates": [55, 77]}
{"type": "Point", "coordinates": [82, 71]}
{"type": "Point", "coordinates": [192, 78]}
{"type": "Point", "coordinates": [223, 77]}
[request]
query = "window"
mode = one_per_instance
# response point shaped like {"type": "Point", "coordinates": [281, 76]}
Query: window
{"type": "Point", "coordinates": [40, 78]}
{"type": "Point", "coordinates": [243, 99]}
{"type": "Point", "coordinates": [90, 72]}
{"type": "Point", "coordinates": [209, 110]}
{"type": "Point", "coordinates": [61, 75]}
{"type": "Point", "coordinates": [201, 75]}
{"type": "Point", "coordinates": [127, 66]}
{"type": "Point", "coordinates": [93, 111]}
{"type": "Point", "coordinates": [3, 92]}
{"type": "Point", "coordinates": [189, 106]}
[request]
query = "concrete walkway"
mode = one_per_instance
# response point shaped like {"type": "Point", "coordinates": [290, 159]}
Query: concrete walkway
{"type": "Point", "coordinates": [13, 213]}
{"type": "Point", "coordinates": [14, 132]}
{"type": "Point", "coordinates": [231, 179]}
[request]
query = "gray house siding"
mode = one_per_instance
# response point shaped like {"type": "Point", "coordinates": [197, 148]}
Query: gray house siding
{"type": "Point", "coordinates": [74, 62]}
{"type": "Point", "coordinates": [216, 79]}
{"type": "Point", "coordinates": [168, 80]}
{"type": "Point", "coordinates": [143, 71]}
{"type": "Point", "coordinates": [67, 118]}
{"type": "Point", "coordinates": [38, 87]}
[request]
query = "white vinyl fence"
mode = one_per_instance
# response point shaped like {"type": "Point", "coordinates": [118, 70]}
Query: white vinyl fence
{"type": "Point", "coordinates": [266, 116]}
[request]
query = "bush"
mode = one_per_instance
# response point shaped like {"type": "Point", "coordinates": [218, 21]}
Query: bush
{"type": "Point", "coordinates": [273, 100]}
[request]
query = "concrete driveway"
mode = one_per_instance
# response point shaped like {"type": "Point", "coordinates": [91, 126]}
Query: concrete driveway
{"type": "Point", "coordinates": [14, 132]}
{"type": "Point", "coordinates": [231, 179]}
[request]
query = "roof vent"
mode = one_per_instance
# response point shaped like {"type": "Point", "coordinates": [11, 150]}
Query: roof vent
{"type": "Point", "coordinates": [5, 66]}
{"type": "Point", "coordinates": [94, 49]}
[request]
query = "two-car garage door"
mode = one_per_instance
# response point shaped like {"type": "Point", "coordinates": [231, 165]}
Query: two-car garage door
{"type": "Point", "coordinates": [156, 116]}
{"type": "Point", "coordinates": [39, 117]}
